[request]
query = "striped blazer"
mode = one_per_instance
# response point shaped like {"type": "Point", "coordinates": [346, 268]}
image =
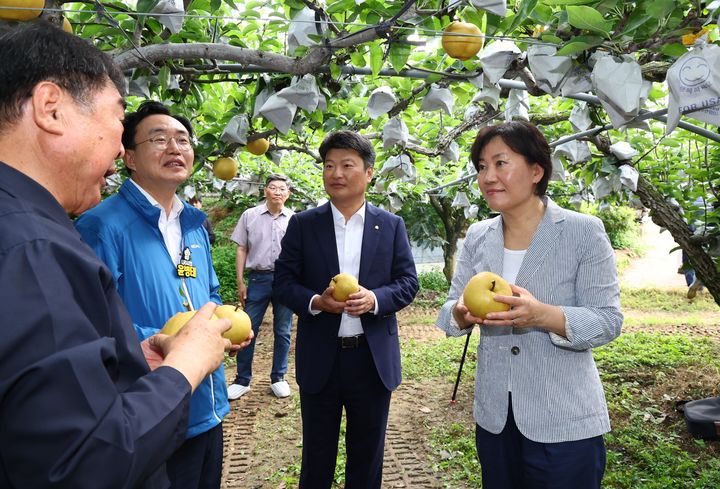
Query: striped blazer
{"type": "Point", "coordinates": [556, 391]}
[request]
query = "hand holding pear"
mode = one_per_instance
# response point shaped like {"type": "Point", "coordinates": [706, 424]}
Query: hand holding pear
{"type": "Point", "coordinates": [343, 285]}
{"type": "Point", "coordinates": [196, 348]}
{"type": "Point", "coordinates": [479, 294]}
{"type": "Point", "coordinates": [340, 289]}
{"type": "Point", "coordinates": [240, 325]}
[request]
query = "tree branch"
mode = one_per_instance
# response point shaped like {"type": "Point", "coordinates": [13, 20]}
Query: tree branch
{"type": "Point", "coordinates": [317, 56]}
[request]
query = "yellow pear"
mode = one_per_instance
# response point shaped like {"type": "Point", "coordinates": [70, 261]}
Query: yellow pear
{"type": "Point", "coordinates": [24, 12]}
{"type": "Point", "coordinates": [480, 290]}
{"type": "Point", "coordinates": [225, 168]}
{"type": "Point", "coordinates": [462, 40]}
{"type": "Point", "coordinates": [240, 323]}
{"type": "Point", "coordinates": [344, 285]}
{"type": "Point", "coordinates": [258, 146]}
{"type": "Point", "coordinates": [176, 323]}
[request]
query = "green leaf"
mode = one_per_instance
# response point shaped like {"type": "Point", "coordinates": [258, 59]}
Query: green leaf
{"type": "Point", "coordinates": [376, 58]}
{"type": "Point", "coordinates": [432, 78]}
{"type": "Point", "coordinates": [551, 38]}
{"type": "Point", "coordinates": [90, 31]}
{"type": "Point", "coordinates": [659, 9]}
{"type": "Point", "coordinates": [372, 18]}
{"type": "Point", "coordinates": [472, 15]}
{"type": "Point", "coordinates": [575, 47]}
{"type": "Point", "coordinates": [342, 5]}
{"type": "Point", "coordinates": [358, 59]}
{"type": "Point", "coordinates": [251, 27]}
{"type": "Point", "coordinates": [567, 2]}
{"type": "Point", "coordinates": [144, 6]}
{"type": "Point", "coordinates": [164, 77]}
{"type": "Point", "coordinates": [542, 14]}
{"type": "Point", "coordinates": [675, 49]}
{"type": "Point", "coordinates": [656, 93]}
{"type": "Point", "coordinates": [637, 19]}
{"type": "Point", "coordinates": [506, 22]}
{"type": "Point", "coordinates": [589, 19]}
{"type": "Point", "coordinates": [335, 71]}
{"type": "Point", "coordinates": [399, 53]}
{"type": "Point", "coordinates": [526, 8]}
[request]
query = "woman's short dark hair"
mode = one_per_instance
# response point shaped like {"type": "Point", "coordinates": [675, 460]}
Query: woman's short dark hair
{"type": "Point", "coordinates": [349, 140]}
{"type": "Point", "coordinates": [523, 138]}
{"type": "Point", "coordinates": [147, 109]}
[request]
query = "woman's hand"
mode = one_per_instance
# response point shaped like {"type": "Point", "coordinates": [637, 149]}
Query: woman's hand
{"type": "Point", "coordinates": [463, 316]}
{"type": "Point", "coordinates": [527, 312]}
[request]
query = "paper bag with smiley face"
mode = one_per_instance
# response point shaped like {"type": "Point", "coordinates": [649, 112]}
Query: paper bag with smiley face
{"type": "Point", "coordinates": [694, 81]}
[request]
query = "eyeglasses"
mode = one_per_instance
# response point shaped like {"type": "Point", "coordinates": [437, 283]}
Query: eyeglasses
{"type": "Point", "coordinates": [161, 142]}
{"type": "Point", "coordinates": [276, 190]}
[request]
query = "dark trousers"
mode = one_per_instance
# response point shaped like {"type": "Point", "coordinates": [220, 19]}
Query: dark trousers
{"type": "Point", "coordinates": [355, 385]}
{"type": "Point", "coordinates": [197, 464]}
{"type": "Point", "coordinates": [511, 461]}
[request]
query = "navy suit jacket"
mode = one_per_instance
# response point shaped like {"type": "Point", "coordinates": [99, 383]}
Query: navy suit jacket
{"type": "Point", "coordinates": [306, 264]}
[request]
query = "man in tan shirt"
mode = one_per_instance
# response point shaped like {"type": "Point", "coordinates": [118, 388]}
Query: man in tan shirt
{"type": "Point", "coordinates": [258, 234]}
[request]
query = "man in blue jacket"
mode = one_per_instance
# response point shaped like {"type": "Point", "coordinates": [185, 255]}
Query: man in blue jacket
{"type": "Point", "coordinates": [80, 407]}
{"type": "Point", "coordinates": [158, 251]}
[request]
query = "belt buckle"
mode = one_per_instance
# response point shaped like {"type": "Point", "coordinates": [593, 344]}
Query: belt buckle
{"type": "Point", "coordinates": [349, 341]}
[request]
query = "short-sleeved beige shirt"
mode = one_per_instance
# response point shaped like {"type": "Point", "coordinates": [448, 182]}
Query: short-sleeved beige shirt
{"type": "Point", "coordinates": [260, 233]}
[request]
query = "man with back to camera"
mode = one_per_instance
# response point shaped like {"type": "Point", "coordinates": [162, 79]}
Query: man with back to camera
{"type": "Point", "coordinates": [347, 354]}
{"type": "Point", "coordinates": [258, 234]}
{"type": "Point", "coordinates": [79, 404]}
{"type": "Point", "coordinates": [158, 251]}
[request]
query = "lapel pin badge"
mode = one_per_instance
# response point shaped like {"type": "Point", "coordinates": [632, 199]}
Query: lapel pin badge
{"type": "Point", "coordinates": [377, 227]}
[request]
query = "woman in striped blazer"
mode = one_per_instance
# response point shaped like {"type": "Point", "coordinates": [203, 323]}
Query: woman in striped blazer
{"type": "Point", "coordinates": [539, 404]}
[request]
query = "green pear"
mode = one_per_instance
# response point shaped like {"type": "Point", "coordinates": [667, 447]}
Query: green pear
{"type": "Point", "coordinates": [344, 284]}
{"type": "Point", "coordinates": [480, 290]}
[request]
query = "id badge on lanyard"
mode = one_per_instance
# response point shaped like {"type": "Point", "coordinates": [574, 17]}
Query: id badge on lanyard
{"type": "Point", "coordinates": [185, 269]}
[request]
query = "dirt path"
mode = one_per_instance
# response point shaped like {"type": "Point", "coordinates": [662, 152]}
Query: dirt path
{"type": "Point", "coordinates": [658, 267]}
{"type": "Point", "coordinates": [263, 434]}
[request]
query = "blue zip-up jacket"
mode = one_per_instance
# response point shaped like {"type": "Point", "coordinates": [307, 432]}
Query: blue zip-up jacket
{"type": "Point", "coordinates": [123, 231]}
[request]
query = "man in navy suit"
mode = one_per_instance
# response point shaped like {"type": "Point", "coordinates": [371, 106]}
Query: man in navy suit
{"type": "Point", "coordinates": [347, 353]}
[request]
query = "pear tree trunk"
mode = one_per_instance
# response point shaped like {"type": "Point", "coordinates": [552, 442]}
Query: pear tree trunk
{"type": "Point", "coordinates": [455, 225]}
{"type": "Point", "coordinates": [665, 216]}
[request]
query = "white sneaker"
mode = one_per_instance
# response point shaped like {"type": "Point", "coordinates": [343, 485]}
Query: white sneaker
{"type": "Point", "coordinates": [236, 391]}
{"type": "Point", "coordinates": [280, 389]}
